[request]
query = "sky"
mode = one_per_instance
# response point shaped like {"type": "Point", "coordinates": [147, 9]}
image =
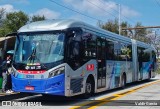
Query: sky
{"type": "Point", "coordinates": [90, 11]}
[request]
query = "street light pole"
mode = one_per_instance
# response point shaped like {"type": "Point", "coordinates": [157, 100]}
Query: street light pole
{"type": "Point", "coordinates": [119, 19]}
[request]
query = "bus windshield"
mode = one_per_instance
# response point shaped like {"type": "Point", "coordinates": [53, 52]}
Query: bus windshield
{"type": "Point", "coordinates": [39, 47]}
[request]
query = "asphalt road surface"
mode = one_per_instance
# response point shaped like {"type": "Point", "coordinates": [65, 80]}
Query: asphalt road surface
{"type": "Point", "coordinates": [139, 95]}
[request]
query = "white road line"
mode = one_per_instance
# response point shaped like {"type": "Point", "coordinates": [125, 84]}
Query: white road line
{"type": "Point", "coordinates": [28, 97]}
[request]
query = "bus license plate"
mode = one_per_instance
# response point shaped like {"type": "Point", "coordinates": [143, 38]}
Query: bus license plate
{"type": "Point", "coordinates": [29, 88]}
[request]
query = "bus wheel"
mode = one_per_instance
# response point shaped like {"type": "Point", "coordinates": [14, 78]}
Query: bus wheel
{"type": "Point", "coordinates": [123, 81]}
{"type": "Point", "coordinates": [88, 89]}
{"type": "Point", "coordinates": [149, 75]}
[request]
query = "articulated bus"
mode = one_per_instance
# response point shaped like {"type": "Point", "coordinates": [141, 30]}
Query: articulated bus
{"type": "Point", "coordinates": [68, 58]}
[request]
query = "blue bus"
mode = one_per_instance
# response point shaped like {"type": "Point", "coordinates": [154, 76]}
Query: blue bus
{"type": "Point", "coordinates": [68, 58]}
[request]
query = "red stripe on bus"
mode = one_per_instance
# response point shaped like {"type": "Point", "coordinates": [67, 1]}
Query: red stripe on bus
{"type": "Point", "coordinates": [31, 72]}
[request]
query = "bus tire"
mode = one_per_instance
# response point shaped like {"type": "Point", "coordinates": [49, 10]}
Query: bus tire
{"type": "Point", "coordinates": [123, 81]}
{"type": "Point", "coordinates": [149, 75]}
{"type": "Point", "coordinates": [89, 88]}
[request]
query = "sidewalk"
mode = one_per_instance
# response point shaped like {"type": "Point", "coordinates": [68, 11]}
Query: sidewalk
{"type": "Point", "coordinates": [4, 94]}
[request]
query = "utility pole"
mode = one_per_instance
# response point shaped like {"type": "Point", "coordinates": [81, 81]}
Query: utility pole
{"type": "Point", "coordinates": [119, 19]}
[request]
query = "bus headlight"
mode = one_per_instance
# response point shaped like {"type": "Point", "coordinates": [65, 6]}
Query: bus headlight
{"type": "Point", "coordinates": [56, 72]}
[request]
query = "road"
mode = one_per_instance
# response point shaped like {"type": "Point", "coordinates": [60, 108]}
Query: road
{"type": "Point", "coordinates": [139, 95]}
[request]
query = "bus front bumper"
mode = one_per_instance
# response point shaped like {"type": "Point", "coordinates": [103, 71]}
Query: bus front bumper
{"type": "Point", "coordinates": [53, 86]}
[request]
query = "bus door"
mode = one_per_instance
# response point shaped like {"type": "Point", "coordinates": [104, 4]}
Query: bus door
{"type": "Point", "coordinates": [101, 63]}
{"type": "Point", "coordinates": [140, 63]}
{"type": "Point", "coordinates": [141, 70]}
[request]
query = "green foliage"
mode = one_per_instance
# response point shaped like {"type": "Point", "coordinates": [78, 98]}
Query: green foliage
{"type": "Point", "coordinates": [110, 26]}
{"type": "Point", "coordinates": [125, 25]}
{"type": "Point", "coordinates": [138, 34]}
{"type": "Point", "coordinates": [15, 20]}
{"type": "Point", "coordinates": [113, 26]}
{"type": "Point", "coordinates": [2, 11]}
{"type": "Point", "coordinates": [37, 18]}
{"type": "Point", "coordinates": [3, 31]}
{"type": "Point", "coordinates": [12, 22]}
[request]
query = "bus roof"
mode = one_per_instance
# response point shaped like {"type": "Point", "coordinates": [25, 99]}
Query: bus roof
{"type": "Point", "coordinates": [60, 24]}
{"type": "Point", "coordinates": [49, 25]}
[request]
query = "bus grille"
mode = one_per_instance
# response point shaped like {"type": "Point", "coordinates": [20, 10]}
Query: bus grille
{"type": "Point", "coordinates": [76, 85]}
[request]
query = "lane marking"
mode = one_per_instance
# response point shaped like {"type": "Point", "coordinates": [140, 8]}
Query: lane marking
{"type": "Point", "coordinates": [28, 97]}
{"type": "Point", "coordinates": [113, 97]}
{"type": "Point", "coordinates": [129, 92]}
{"type": "Point", "coordinates": [124, 93]}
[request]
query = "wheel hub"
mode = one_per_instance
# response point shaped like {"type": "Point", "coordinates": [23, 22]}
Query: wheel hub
{"type": "Point", "coordinates": [88, 88]}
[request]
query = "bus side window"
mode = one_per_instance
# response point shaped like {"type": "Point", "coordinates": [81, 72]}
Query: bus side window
{"type": "Point", "coordinates": [89, 45]}
{"type": "Point", "coordinates": [110, 50]}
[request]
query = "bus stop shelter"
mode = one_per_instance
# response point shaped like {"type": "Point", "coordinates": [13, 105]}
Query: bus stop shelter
{"type": "Point", "coordinates": [6, 43]}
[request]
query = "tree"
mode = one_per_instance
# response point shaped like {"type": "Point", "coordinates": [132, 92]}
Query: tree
{"type": "Point", "coordinates": [113, 26]}
{"type": "Point", "coordinates": [2, 12]}
{"type": "Point", "coordinates": [139, 33]}
{"type": "Point", "coordinates": [125, 24]}
{"type": "Point", "coordinates": [37, 18]}
{"type": "Point", "coordinates": [110, 26]}
{"type": "Point", "coordinates": [15, 20]}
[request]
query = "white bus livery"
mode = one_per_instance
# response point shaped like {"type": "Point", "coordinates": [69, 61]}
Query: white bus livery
{"type": "Point", "coordinates": [68, 58]}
